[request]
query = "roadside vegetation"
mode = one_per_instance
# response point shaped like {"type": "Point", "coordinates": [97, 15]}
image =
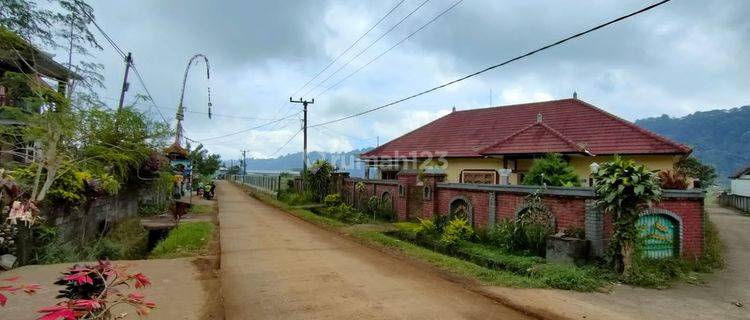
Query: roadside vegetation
{"type": "Point", "coordinates": [511, 252]}
{"type": "Point", "coordinates": [187, 239]}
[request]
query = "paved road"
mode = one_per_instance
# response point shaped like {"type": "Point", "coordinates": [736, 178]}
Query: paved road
{"type": "Point", "coordinates": [275, 266]}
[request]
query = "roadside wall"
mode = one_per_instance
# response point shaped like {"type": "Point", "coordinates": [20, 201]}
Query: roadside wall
{"type": "Point", "coordinates": [426, 195]}
{"type": "Point", "coordinates": [92, 218]}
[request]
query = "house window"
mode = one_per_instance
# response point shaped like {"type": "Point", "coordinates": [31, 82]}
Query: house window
{"type": "Point", "coordinates": [388, 175]}
{"type": "Point", "coordinates": [401, 191]}
{"type": "Point", "coordinates": [479, 176]}
{"type": "Point", "coordinates": [427, 193]}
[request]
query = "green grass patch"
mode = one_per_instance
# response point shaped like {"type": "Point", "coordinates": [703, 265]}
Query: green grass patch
{"type": "Point", "coordinates": [304, 214]}
{"type": "Point", "coordinates": [201, 209]}
{"type": "Point", "coordinates": [188, 239]}
{"type": "Point", "coordinates": [454, 265]}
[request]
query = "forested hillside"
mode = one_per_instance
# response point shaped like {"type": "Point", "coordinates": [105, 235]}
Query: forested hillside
{"type": "Point", "coordinates": [719, 137]}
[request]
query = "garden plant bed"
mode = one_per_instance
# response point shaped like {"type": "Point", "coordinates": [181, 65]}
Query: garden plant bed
{"type": "Point", "coordinates": [537, 269]}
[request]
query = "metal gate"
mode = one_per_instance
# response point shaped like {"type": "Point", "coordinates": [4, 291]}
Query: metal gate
{"type": "Point", "coordinates": [659, 235]}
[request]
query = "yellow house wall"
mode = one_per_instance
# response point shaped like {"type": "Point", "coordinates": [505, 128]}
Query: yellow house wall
{"type": "Point", "coordinates": [581, 165]}
{"type": "Point", "coordinates": [652, 162]}
{"type": "Point", "coordinates": [454, 166]}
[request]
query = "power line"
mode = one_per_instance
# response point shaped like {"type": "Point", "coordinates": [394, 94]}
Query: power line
{"type": "Point", "coordinates": [225, 115]}
{"type": "Point", "coordinates": [350, 47]}
{"type": "Point", "coordinates": [391, 48]}
{"type": "Point", "coordinates": [286, 143]}
{"type": "Point", "coordinates": [495, 66]}
{"type": "Point", "coordinates": [368, 46]}
{"type": "Point", "coordinates": [122, 54]}
{"type": "Point", "coordinates": [106, 36]}
{"type": "Point", "coordinates": [249, 129]}
{"type": "Point", "coordinates": [148, 93]}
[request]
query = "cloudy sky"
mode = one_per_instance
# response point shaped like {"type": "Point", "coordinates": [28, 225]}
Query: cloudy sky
{"type": "Point", "coordinates": [685, 56]}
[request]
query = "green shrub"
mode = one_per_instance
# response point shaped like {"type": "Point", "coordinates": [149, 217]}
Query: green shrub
{"type": "Point", "coordinates": [567, 277]}
{"type": "Point", "coordinates": [502, 235]}
{"type": "Point", "coordinates": [346, 213]}
{"type": "Point", "coordinates": [103, 249]}
{"type": "Point", "coordinates": [425, 228]}
{"type": "Point", "coordinates": [332, 200]}
{"type": "Point", "coordinates": [532, 237]}
{"type": "Point", "coordinates": [295, 199]}
{"type": "Point", "coordinates": [56, 252]}
{"type": "Point", "coordinates": [149, 209]}
{"type": "Point", "coordinates": [457, 230]}
{"type": "Point", "coordinates": [552, 170]}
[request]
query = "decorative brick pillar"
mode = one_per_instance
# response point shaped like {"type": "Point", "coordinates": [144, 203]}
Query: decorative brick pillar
{"type": "Point", "coordinates": [406, 178]}
{"type": "Point", "coordinates": [429, 193]}
{"type": "Point", "coordinates": [595, 228]}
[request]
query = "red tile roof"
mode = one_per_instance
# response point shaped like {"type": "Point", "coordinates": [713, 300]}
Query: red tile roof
{"type": "Point", "coordinates": [567, 126]}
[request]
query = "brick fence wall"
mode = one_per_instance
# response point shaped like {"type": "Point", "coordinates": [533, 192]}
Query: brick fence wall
{"type": "Point", "coordinates": [571, 207]}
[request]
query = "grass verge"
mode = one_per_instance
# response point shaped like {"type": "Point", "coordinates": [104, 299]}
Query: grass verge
{"type": "Point", "coordinates": [188, 239]}
{"type": "Point", "coordinates": [201, 209]}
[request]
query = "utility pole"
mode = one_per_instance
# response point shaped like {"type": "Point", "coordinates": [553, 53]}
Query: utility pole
{"type": "Point", "coordinates": [244, 166]}
{"type": "Point", "coordinates": [304, 129]}
{"type": "Point", "coordinates": [125, 84]}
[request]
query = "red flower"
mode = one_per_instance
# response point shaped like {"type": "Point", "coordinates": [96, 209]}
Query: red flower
{"type": "Point", "coordinates": [80, 278]}
{"type": "Point", "coordinates": [3, 300]}
{"type": "Point", "coordinates": [56, 313]}
{"type": "Point", "coordinates": [87, 304]}
{"type": "Point", "coordinates": [141, 280]}
{"type": "Point", "coordinates": [136, 297]}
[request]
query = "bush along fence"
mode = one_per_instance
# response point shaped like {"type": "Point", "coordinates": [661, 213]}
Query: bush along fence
{"type": "Point", "coordinates": [672, 227]}
{"type": "Point", "coordinates": [738, 202]}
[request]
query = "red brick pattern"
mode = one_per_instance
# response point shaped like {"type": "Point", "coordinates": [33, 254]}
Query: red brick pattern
{"type": "Point", "coordinates": [569, 212]}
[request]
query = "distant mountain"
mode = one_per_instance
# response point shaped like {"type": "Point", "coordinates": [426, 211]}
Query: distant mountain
{"type": "Point", "coordinates": [344, 161]}
{"type": "Point", "coordinates": [719, 137]}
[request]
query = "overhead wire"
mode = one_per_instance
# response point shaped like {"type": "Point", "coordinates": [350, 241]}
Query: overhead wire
{"type": "Point", "coordinates": [350, 46]}
{"type": "Point", "coordinates": [132, 65]}
{"type": "Point", "coordinates": [286, 143]}
{"type": "Point", "coordinates": [250, 129]}
{"type": "Point", "coordinates": [368, 46]}
{"type": "Point", "coordinates": [389, 49]}
{"type": "Point", "coordinates": [492, 67]}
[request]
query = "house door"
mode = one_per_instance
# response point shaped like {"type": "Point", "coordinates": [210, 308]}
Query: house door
{"type": "Point", "coordinates": [659, 235]}
{"type": "Point", "coordinates": [413, 202]}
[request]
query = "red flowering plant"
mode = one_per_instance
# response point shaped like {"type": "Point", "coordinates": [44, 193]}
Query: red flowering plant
{"type": "Point", "coordinates": [91, 291]}
{"type": "Point", "coordinates": [10, 285]}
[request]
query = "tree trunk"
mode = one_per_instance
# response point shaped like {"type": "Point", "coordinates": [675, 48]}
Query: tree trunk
{"type": "Point", "coordinates": [628, 251]}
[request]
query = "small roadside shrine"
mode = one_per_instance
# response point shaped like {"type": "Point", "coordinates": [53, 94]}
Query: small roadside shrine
{"type": "Point", "coordinates": [181, 168]}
